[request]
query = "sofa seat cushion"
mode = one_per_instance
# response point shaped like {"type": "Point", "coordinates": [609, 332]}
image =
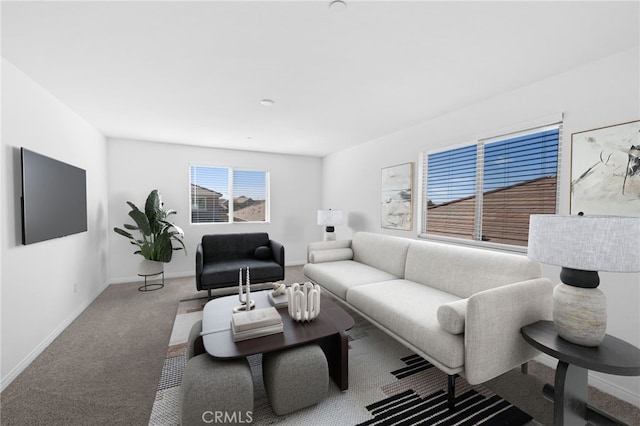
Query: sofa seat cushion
{"type": "Point", "coordinates": [410, 310]}
{"type": "Point", "coordinates": [340, 276]}
{"type": "Point", "coordinates": [224, 274]}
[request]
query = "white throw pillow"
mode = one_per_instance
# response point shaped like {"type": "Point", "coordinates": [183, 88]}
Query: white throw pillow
{"type": "Point", "coordinates": [451, 316]}
{"type": "Point", "coordinates": [320, 256]}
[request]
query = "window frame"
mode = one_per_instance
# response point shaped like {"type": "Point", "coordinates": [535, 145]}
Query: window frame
{"type": "Point", "coordinates": [230, 191]}
{"type": "Point", "coordinates": [480, 143]}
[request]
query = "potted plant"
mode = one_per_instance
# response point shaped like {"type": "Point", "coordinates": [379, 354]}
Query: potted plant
{"type": "Point", "coordinates": [156, 234]}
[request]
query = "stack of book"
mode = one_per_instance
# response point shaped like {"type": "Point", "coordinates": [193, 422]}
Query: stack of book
{"type": "Point", "coordinates": [255, 323]}
{"type": "Point", "coordinates": [280, 301]}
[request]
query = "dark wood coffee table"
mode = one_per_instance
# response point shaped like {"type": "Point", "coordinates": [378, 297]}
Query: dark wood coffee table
{"type": "Point", "coordinates": [327, 330]}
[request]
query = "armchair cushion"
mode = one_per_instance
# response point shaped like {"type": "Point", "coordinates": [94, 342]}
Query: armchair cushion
{"type": "Point", "coordinates": [263, 252]}
{"type": "Point", "coordinates": [225, 274]}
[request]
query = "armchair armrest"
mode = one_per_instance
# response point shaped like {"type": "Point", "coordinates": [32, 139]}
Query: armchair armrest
{"type": "Point", "coordinates": [199, 266]}
{"type": "Point", "coordinates": [278, 252]}
{"type": "Point", "coordinates": [493, 343]}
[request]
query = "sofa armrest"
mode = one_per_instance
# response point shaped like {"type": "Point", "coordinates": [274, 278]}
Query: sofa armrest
{"type": "Point", "coordinates": [326, 245]}
{"type": "Point", "coordinates": [199, 266]}
{"type": "Point", "coordinates": [493, 343]}
{"type": "Point", "coordinates": [278, 252]}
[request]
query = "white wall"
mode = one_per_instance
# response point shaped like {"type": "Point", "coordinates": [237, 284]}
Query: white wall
{"type": "Point", "coordinates": [603, 93]}
{"type": "Point", "coordinates": [39, 281]}
{"type": "Point", "coordinates": [137, 167]}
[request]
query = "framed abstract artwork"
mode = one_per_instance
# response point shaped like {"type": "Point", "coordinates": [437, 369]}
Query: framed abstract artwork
{"type": "Point", "coordinates": [605, 170]}
{"type": "Point", "coordinates": [396, 205]}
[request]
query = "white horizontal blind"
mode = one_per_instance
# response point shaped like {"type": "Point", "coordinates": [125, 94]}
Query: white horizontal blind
{"type": "Point", "coordinates": [224, 195]}
{"type": "Point", "coordinates": [519, 179]}
{"type": "Point", "coordinates": [486, 191]}
{"type": "Point", "coordinates": [249, 196]}
{"type": "Point", "coordinates": [451, 188]}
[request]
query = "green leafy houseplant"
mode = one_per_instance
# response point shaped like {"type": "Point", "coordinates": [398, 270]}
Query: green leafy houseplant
{"type": "Point", "coordinates": [156, 232]}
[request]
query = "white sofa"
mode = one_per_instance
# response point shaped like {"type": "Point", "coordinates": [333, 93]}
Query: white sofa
{"type": "Point", "coordinates": [460, 308]}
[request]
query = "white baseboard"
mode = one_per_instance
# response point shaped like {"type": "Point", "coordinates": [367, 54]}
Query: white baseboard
{"type": "Point", "coordinates": [598, 382]}
{"type": "Point", "coordinates": [183, 274]}
{"type": "Point", "coordinates": [22, 365]}
{"type": "Point", "coordinates": [137, 278]}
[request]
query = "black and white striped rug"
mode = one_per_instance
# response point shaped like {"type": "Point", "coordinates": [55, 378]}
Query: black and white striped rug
{"type": "Point", "coordinates": [388, 385]}
{"type": "Point", "coordinates": [419, 404]}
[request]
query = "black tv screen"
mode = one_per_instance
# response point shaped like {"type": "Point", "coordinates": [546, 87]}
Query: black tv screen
{"type": "Point", "coordinates": [54, 198]}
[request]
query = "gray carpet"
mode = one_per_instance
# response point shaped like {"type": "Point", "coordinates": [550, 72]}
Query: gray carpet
{"type": "Point", "coordinates": [105, 367]}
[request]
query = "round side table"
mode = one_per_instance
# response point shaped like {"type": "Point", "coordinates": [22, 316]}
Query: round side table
{"type": "Point", "coordinates": [569, 393]}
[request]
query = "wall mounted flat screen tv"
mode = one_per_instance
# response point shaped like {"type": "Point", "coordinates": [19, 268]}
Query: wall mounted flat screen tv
{"type": "Point", "coordinates": [54, 198]}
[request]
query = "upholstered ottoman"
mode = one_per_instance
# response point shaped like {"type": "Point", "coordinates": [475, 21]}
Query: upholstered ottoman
{"type": "Point", "coordinates": [295, 378]}
{"type": "Point", "coordinates": [212, 389]}
{"type": "Point", "coordinates": [195, 346]}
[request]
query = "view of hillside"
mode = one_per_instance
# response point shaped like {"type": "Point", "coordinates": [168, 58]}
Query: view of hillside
{"type": "Point", "coordinates": [248, 210]}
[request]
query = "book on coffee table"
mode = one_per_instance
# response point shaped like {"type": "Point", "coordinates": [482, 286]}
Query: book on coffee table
{"type": "Point", "coordinates": [280, 301]}
{"type": "Point", "coordinates": [256, 332]}
{"type": "Point", "coordinates": [256, 318]}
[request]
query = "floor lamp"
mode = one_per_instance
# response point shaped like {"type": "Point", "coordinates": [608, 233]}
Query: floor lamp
{"type": "Point", "coordinates": [583, 245]}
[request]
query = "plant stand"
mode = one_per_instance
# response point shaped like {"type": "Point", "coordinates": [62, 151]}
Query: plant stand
{"type": "Point", "coordinates": [152, 286]}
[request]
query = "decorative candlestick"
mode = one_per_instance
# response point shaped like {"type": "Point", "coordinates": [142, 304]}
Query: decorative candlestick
{"type": "Point", "coordinates": [246, 303]}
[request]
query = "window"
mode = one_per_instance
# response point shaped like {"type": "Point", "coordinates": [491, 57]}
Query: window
{"type": "Point", "coordinates": [486, 191]}
{"type": "Point", "coordinates": [210, 201]}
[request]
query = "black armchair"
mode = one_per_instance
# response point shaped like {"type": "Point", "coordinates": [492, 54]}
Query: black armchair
{"type": "Point", "coordinates": [219, 258]}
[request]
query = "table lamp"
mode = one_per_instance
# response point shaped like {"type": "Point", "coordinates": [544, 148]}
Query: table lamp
{"type": "Point", "coordinates": [329, 218]}
{"type": "Point", "coordinates": [583, 245]}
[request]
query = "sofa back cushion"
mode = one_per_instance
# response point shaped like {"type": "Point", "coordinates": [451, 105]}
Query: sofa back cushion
{"type": "Point", "coordinates": [221, 247]}
{"type": "Point", "coordinates": [464, 271]}
{"type": "Point", "coordinates": [380, 251]}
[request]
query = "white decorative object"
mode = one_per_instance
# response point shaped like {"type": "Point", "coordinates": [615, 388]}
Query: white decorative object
{"type": "Point", "coordinates": [278, 289]}
{"type": "Point", "coordinates": [278, 297]}
{"type": "Point", "coordinates": [247, 303]}
{"type": "Point", "coordinates": [304, 301]}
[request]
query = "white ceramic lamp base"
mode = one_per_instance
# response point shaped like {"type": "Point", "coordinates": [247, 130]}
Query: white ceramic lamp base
{"type": "Point", "coordinates": [580, 314]}
{"type": "Point", "coordinates": [329, 236]}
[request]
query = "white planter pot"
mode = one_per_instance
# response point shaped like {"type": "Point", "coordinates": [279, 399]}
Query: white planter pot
{"type": "Point", "coordinates": [150, 267]}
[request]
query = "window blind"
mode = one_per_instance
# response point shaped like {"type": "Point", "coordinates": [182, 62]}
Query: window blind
{"type": "Point", "coordinates": [486, 191]}
{"type": "Point", "coordinates": [451, 185]}
{"type": "Point", "coordinates": [211, 202]}
{"type": "Point", "coordinates": [519, 179]}
{"type": "Point", "coordinates": [249, 196]}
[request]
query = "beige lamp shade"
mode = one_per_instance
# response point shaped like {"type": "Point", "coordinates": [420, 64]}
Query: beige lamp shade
{"type": "Point", "coordinates": [329, 217]}
{"type": "Point", "coordinates": [590, 243]}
